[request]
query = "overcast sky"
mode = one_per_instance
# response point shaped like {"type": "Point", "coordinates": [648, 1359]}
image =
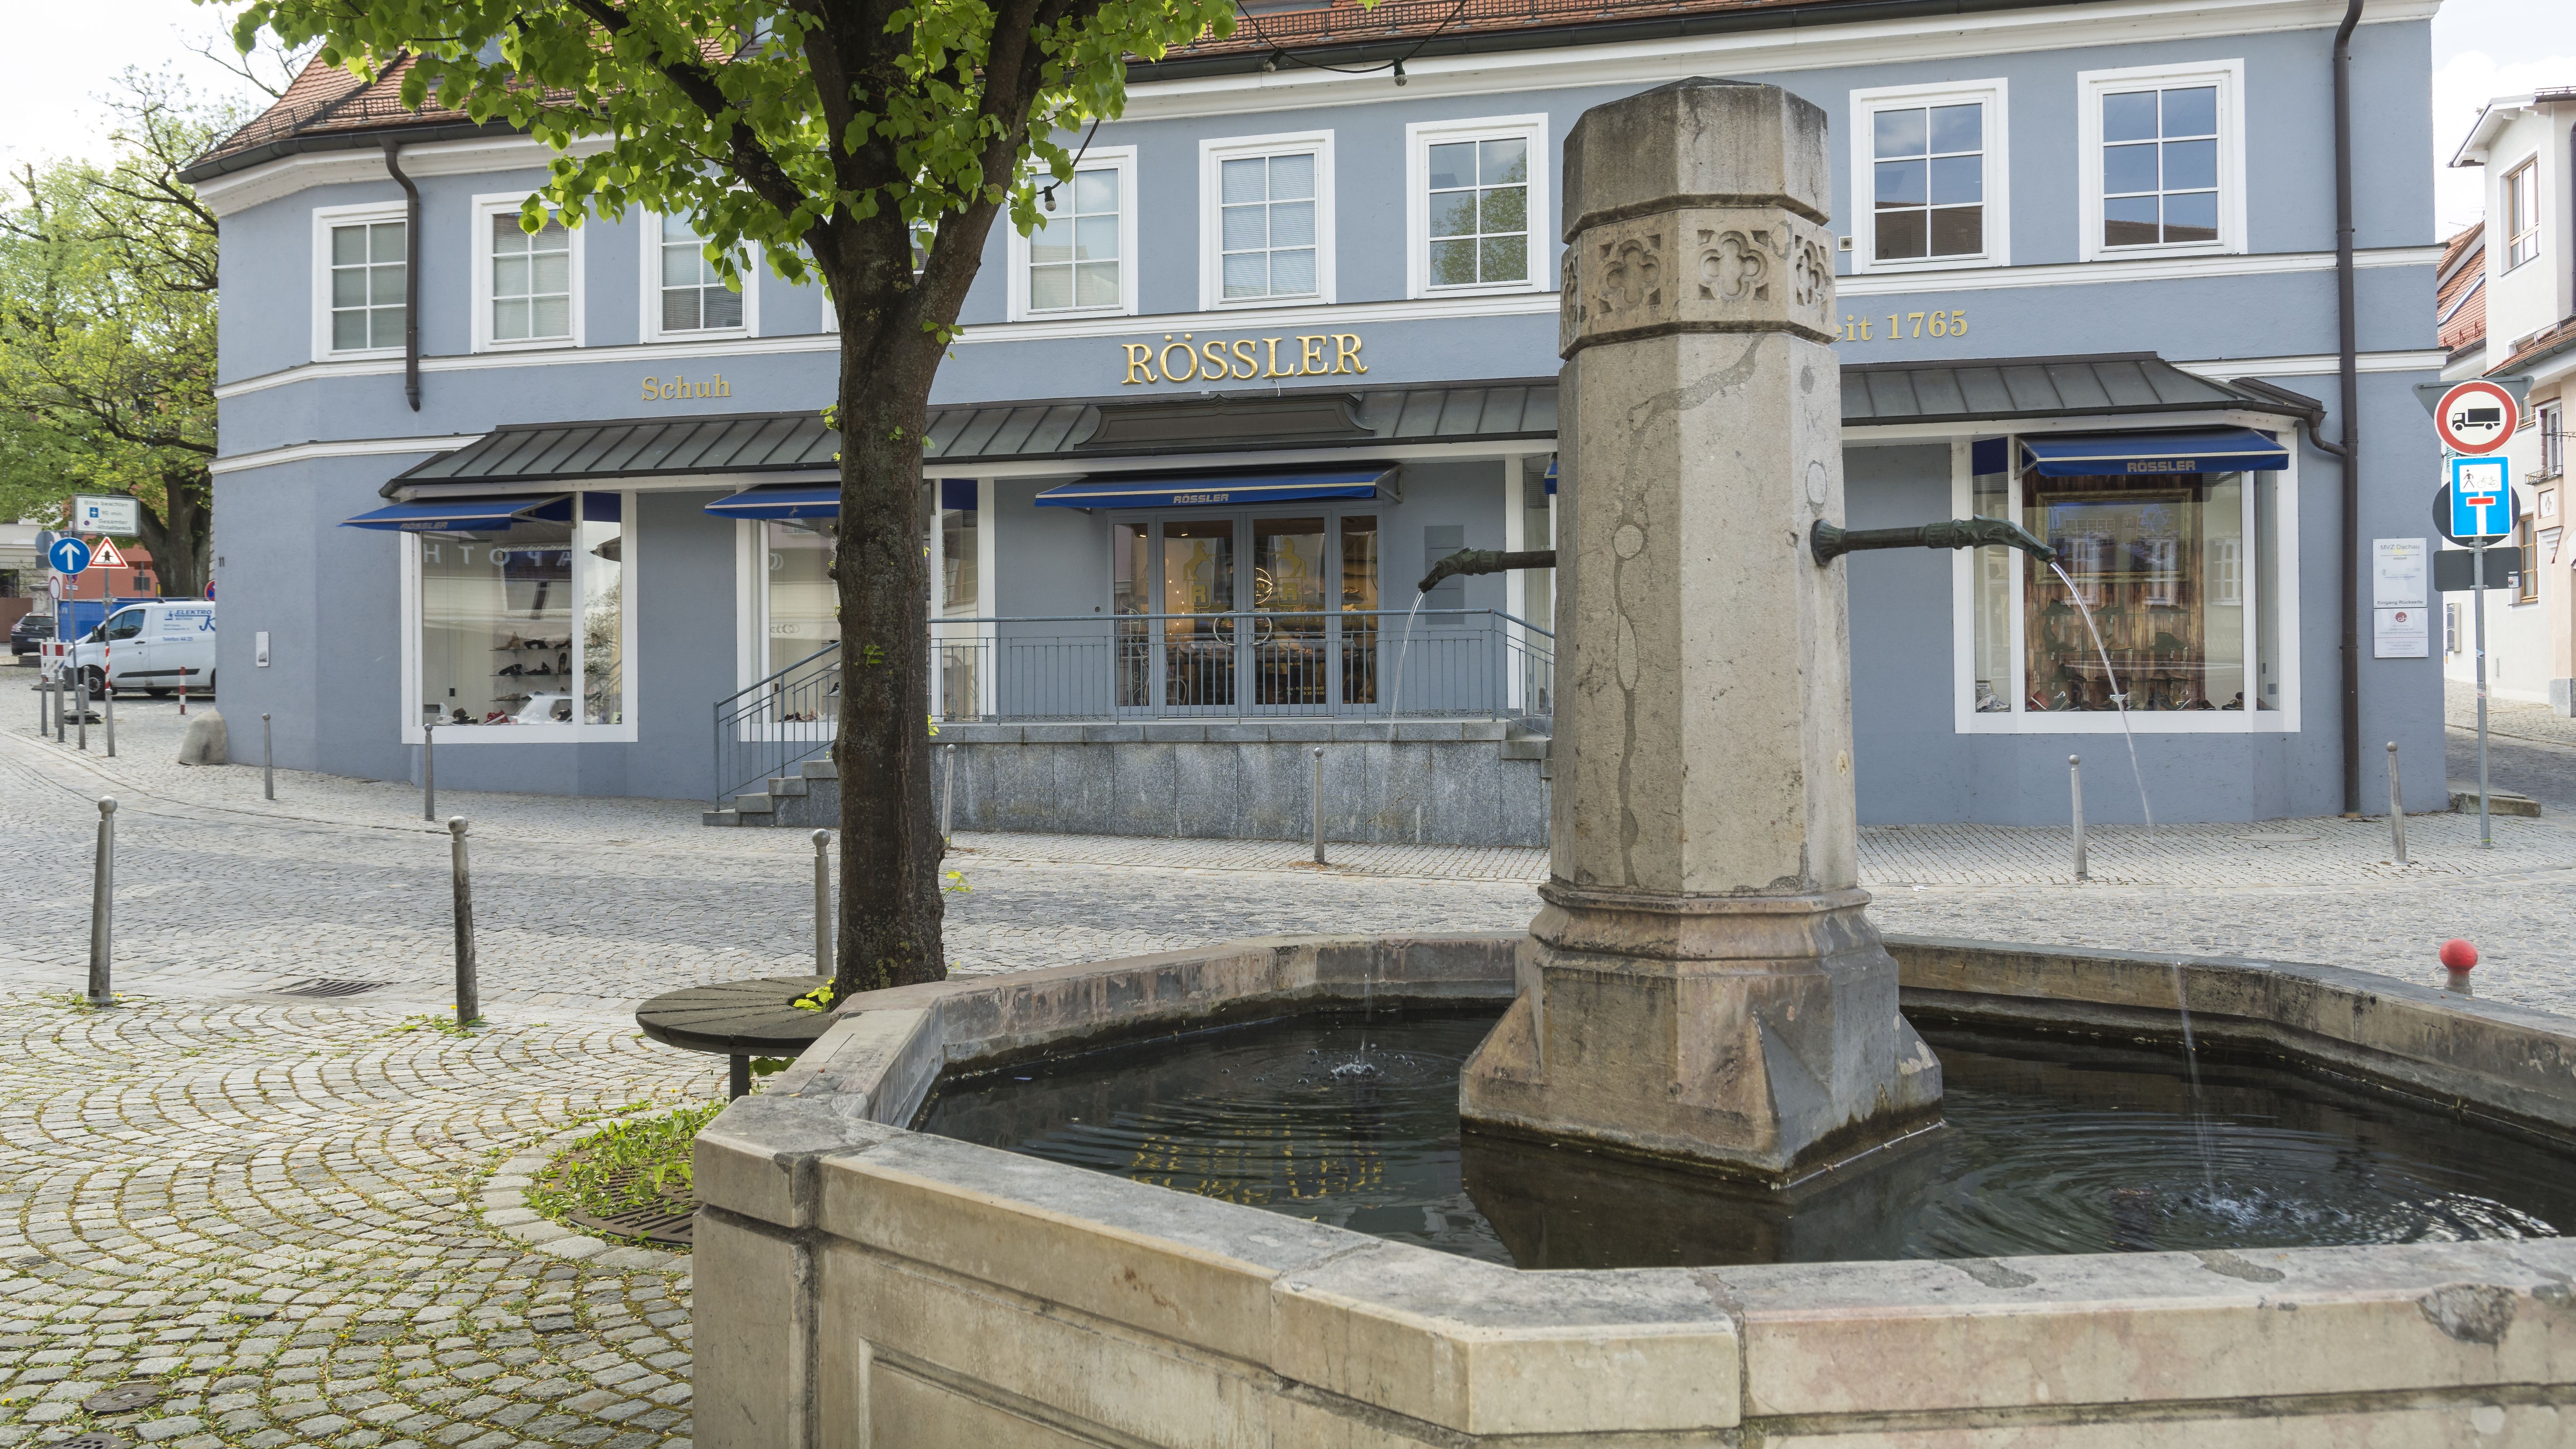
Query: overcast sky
{"type": "Point", "coordinates": [62, 56]}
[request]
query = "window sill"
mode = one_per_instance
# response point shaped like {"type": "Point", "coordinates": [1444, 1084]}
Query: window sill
{"type": "Point", "coordinates": [2165, 249]}
{"type": "Point", "coordinates": [2106, 722]}
{"type": "Point", "coordinates": [709, 334]}
{"type": "Point", "coordinates": [540, 344]}
{"type": "Point", "coordinates": [1057, 314]}
{"type": "Point", "coordinates": [362, 354]}
{"type": "Point", "coordinates": [1925, 264]}
{"type": "Point", "coordinates": [1259, 304]}
{"type": "Point", "coordinates": [1482, 289]}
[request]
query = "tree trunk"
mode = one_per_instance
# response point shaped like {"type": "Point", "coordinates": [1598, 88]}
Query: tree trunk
{"type": "Point", "coordinates": [890, 847]}
{"type": "Point", "coordinates": [177, 537]}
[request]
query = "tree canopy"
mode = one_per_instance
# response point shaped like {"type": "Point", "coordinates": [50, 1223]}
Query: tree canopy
{"type": "Point", "coordinates": [107, 329]}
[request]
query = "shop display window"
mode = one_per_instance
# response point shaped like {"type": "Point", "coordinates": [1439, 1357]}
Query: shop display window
{"type": "Point", "coordinates": [527, 625]}
{"type": "Point", "coordinates": [2183, 577]}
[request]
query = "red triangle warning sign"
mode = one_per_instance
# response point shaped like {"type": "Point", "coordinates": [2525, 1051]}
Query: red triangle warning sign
{"type": "Point", "coordinates": [105, 555]}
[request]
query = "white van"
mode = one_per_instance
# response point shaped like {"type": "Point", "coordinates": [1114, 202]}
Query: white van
{"type": "Point", "coordinates": [152, 647]}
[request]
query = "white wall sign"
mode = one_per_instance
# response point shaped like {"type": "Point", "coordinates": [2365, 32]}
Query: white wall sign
{"type": "Point", "coordinates": [259, 649]}
{"type": "Point", "coordinates": [2397, 573]}
{"type": "Point", "coordinates": [2399, 633]}
{"type": "Point", "coordinates": [108, 513]}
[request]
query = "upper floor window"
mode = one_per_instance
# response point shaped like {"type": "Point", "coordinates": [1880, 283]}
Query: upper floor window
{"type": "Point", "coordinates": [1266, 213]}
{"type": "Point", "coordinates": [1080, 258]}
{"type": "Point", "coordinates": [1474, 190]}
{"type": "Point", "coordinates": [694, 296]}
{"type": "Point", "coordinates": [527, 284]}
{"type": "Point", "coordinates": [2163, 156]}
{"type": "Point", "coordinates": [1930, 179]}
{"type": "Point", "coordinates": [360, 261]}
{"type": "Point", "coordinates": [2551, 421]}
{"type": "Point", "coordinates": [2521, 214]}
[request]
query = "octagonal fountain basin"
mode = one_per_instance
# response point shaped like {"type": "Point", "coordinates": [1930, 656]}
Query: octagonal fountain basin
{"type": "Point", "coordinates": [2349, 1235]}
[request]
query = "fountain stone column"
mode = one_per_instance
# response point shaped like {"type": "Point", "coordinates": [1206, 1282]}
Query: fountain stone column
{"type": "Point", "coordinates": [1702, 983]}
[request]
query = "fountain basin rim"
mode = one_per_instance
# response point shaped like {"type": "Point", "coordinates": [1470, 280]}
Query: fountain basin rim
{"type": "Point", "coordinates": [977, 1270]}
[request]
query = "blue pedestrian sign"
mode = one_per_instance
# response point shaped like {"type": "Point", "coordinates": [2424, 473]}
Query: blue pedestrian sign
{"type": "Point", "coordinates": [68, 555]}
{"type": "Point", "coordinates": [2478, 504]}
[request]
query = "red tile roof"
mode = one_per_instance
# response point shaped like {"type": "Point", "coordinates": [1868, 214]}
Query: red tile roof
{"type": "Point", "coordinates": [2556, 337]}
{"type": "Point", "coordinates": [2460, 294]}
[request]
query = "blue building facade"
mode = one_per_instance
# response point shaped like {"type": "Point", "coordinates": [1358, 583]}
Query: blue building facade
{"type": "Point", "coordinates": [1288, 335]}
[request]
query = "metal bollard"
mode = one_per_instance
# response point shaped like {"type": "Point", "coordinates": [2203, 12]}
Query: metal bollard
{"type": "Point", "coordinates": [267, 763]}
{"type": "Point", "coordinates": [2396, 806]}
{"type": "Point", "coordinates": [1319, 805]}
{"type": "Point", "coordinates": [102, 906]}
{"type": "Point", "coordinates": [80, 707]}
{"type": "Point", "coordinates": [48, 716]}
{"type": "Point", "coordinates": [948, 794]}
{"type": "Point", "coordinates": [183, 694]}
{"type": "Point", "coordinates": [429, 770]}
{"type": "Point", "coordinates": [469, 1004]}
{"type": "Point", "coordinates": [109, 699]}
{"type": "Point", "coordinates": [2075, 790]}
{"type": "Point", "coordinates": [823, 901]}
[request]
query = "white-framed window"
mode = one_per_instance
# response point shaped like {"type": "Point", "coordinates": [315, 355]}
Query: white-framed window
{"type": "Point", "coordinates": [1475, 205]}
{"type": "Point", "coordinates": [360, 256]}
{"type": "Point", "coordinates": [1931, 180]}
{"type": "Point", "coordinates": [683, 296]}
{"type": "Point", "coordinates": [2161, 150]}
{"type": "Point", "coordinates": [523, 633]}
{"type": "Point", "coordinates": [2191, 579]}
{"type": "Point", "coordinates": [2518, 201]}
{"type": "Point", "coordinates": [527, 286]}
{"type": "Point", "coordinates": [1081, 259]}
{"type": "Point", "coordinates": [1266, 220]}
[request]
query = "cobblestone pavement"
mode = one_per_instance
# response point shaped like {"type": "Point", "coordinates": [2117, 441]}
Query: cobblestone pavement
{"type": "Point", "coordinates": [266, 1207]}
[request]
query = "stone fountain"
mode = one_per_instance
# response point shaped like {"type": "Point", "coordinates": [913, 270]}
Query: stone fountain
{"type": "Point", "coordinates": [1701, 986]}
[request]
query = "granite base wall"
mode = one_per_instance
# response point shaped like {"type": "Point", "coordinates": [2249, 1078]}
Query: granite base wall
{"type": "Point", "coordinates": [1379, 791]}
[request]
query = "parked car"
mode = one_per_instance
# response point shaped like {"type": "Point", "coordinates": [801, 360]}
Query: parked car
{"type": "Point", "coordinates": [30, 631]}
{"type": "Point", "coordinates": [152, 647]}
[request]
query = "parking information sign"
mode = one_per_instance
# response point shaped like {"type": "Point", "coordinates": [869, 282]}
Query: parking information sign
{"type": "Point", "coordinates": [2476, 417]}
{"type": "Point", "coordinates": [2480, 504]}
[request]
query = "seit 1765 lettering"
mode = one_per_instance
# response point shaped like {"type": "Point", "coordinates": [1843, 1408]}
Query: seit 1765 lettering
{"type": "Point", "coordinates": [1186, 359]}
{"type": "Point", "coordinates": [1904, 326]}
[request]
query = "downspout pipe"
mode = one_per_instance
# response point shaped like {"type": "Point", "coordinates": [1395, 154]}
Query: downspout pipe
{"type": "Point", "coordinates": [411, 270]}
{"type": "Point", "coordinates": [2349, 453]}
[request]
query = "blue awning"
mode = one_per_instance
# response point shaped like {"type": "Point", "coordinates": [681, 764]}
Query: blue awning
{"type": "Point", "coordinates": [782, 501]}
{"type": "Point", "coordinates": [1187, 490]}
{"type": "Point", "coordinates": [466, 515]}
{"type": "Point", "coordinates": [2204, 450]}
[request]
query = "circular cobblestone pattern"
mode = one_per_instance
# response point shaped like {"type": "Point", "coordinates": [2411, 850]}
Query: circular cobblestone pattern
{"type": "Point", "coordinates": [269, 1215]}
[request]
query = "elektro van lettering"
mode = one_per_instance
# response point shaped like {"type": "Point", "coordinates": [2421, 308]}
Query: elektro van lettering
{"type": "Point", "coordinates": [680, 389]}
{"type": "Point", "coordinates": [1186, 359]}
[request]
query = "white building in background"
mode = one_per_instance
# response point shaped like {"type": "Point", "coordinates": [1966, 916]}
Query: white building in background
{"type": "Point", "coordinates": [2527, 290]}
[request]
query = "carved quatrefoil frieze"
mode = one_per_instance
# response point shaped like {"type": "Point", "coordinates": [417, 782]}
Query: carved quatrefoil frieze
{"type": "Point", "coordinates": [1632, 275]}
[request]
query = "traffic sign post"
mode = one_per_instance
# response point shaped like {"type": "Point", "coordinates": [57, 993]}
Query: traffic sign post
{"type": "Point", "coordinates": [2477, 508]}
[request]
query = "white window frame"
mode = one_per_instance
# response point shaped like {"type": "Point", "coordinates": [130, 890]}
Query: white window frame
{"type": "Point", "coordinates": [324, 219]}
{"type": "Point", "coordinates": [1121, 159]}
{"type": "Point", "coordinates": [479, 247]}
{"type": "Point", "coordinates": [2021, 721]}
{"type": "Point", "coordinates": [2504, 211]}
{"type": "Point", "coordinates": [1994, 95]}
{"type": "Point", "coordinates": [649, 321]}
{"type": "Point", "coordinates": [1213, 153]}
{"type": "Point", "coordinates": [2092, 85]}
{"type": "Point", "coordinates": [1419, 138]}
{"type": "Point", "coordinates": [575, 731]}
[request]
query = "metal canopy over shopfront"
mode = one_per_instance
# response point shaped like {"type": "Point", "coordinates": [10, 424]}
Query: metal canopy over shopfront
{"type": "Point", "coordinates": [2206, 450]}
{"type": "Point", "coordinates": [465, 515]}
{"type": "Point", "coordinates": [2099, 385]}
{"type": "Point", "coordinates": [1176, 490]}
{"type": "Point", "coordinates": [630, 448]}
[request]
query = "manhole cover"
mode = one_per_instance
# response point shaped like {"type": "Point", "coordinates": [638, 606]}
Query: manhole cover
{"type": "Point", "coordinates": [92, 1441]}
{"type": "Point", "coordinates": [326, 987]}
{"type": "Point", "coordinates": [2276, 839]}
{"type": "Point", "coordinates": [140, 1394]}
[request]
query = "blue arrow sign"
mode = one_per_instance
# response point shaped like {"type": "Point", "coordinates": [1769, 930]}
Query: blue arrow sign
{"type": "Point", "coordinates": [68, 555]}
{"type": "Point", "coordinates": [2482, 503]}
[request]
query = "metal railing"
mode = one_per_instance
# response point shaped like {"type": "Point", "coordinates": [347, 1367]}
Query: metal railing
{"type": "Point", "coordinates": [1432, 664]}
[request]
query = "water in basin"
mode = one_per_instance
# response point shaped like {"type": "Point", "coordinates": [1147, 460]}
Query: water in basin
{"type": "Point", "coordinates": [2048, 1145]}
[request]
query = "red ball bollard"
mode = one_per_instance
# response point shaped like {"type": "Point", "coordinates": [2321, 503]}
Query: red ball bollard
{"type": "Point", "coordinates": [2458, 955]}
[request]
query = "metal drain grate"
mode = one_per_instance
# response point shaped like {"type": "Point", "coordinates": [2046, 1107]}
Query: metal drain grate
{"type": "Point", "coordinates": [668, 1222]}
{"type": "Point", "coordinates": [91, 1441]}
{"type": "Point", "coordinates": [323, 986]}
{"type": "Point", "coordinates": [125, 1397]}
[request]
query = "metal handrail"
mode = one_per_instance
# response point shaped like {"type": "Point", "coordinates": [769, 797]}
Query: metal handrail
{"type": "Point", "coordinates": [1324, 663]}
